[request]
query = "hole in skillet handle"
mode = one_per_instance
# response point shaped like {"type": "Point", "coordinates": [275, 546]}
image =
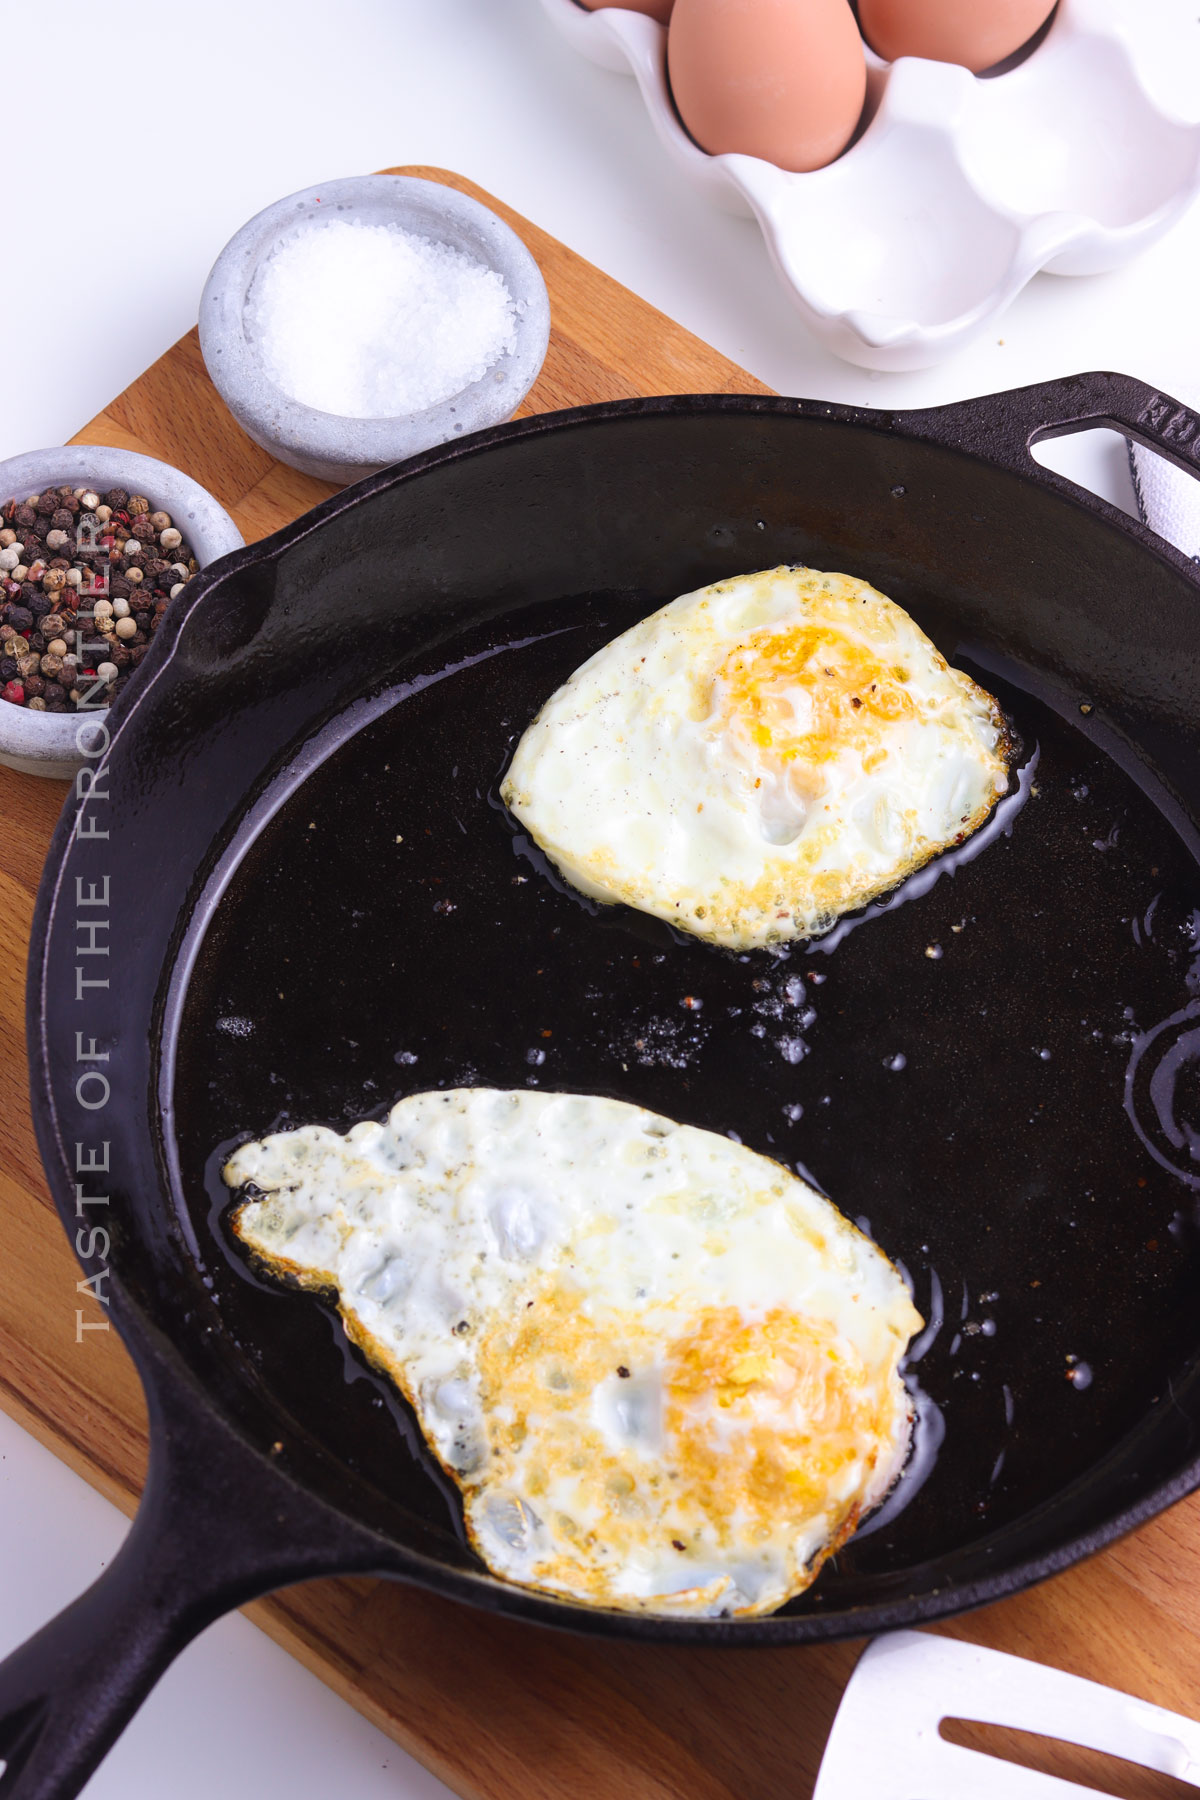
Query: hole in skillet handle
{"type": "Point", "coordinates": [1097, 460]}
{"type": "Point", "coordinates": [1160, 452]}
{"type": "Point", "coordinates": [1003, 429]}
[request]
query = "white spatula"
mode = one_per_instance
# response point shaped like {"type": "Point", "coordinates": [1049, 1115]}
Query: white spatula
{"type": "Point", "coordinates": [885, 1744]}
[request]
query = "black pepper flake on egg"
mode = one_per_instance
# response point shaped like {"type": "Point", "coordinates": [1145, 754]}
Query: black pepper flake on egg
{"type": "Point", "coordinates": [623, 1372]}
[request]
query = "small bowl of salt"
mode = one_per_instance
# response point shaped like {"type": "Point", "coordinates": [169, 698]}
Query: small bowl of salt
{"type": "Point", "coordinates": [359, 322]}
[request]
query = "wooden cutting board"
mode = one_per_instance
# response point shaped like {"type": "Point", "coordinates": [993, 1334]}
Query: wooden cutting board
{"type": "Point", "coordinates": [494, 1707]}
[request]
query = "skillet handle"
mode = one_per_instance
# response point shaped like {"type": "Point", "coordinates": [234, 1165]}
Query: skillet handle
{"type": "Point", "coordinates": [1004, 427]}
{"type": "Point", "coordinates": [217, 1526]}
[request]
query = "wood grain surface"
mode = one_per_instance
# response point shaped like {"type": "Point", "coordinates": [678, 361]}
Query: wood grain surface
{"type": "Point", "coordinates": [494, 1707]}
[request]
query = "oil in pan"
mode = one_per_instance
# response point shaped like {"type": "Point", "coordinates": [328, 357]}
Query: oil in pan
{"type": "Point", "coordinates": [992, 1071]}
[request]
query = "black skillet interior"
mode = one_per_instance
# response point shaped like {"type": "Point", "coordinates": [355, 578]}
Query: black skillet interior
{"type": "Point", "coordinates": [342, 913]}
{"type": "Point", "coordinates": [952, 1071]}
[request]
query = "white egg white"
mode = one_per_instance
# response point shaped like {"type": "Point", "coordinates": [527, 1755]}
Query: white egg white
{"type": "Point", "coordinates": [664, 1371]}
{"type": "Point", "coordinates": [759, 757]}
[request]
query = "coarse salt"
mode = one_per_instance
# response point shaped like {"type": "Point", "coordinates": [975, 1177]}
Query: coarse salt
{"type": "Point", "coordinates": [372, 321]}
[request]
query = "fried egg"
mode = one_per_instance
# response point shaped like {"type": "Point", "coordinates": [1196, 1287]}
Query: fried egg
{"type": "Point", "coordinates": [664, 1372]}
{"type": "Point", "coordinates": [759, 757]}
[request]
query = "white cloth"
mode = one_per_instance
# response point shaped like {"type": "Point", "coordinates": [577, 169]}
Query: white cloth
{"type": "Point", "coordinates": [1168, 499]}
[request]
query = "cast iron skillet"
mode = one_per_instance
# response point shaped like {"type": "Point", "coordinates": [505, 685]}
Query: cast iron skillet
{"type": "Point", "coordinates": [314, 902]}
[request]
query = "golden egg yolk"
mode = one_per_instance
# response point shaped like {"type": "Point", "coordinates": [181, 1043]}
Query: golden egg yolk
{"type": "Point", "coordinates": [765, 1415]}
{"type": "Point", "coordinates": [768, 1421]}
{"type": "Point", "coordinates": [807, 693]}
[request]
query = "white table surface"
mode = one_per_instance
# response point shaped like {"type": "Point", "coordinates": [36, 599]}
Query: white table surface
{"type": "Point", "coordinates": [199, 116]}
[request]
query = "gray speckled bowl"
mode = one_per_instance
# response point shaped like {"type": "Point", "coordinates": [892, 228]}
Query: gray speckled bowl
{"type": "Point", "coordinates": [328, 445]}
{"type": "Point", "coordinates": [57, 744]}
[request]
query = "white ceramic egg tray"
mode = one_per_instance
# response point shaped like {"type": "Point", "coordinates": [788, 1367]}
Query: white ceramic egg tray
{"type": "Point", "coordinates": [961, 187]}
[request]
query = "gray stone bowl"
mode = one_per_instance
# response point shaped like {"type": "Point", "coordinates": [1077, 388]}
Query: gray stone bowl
{"type": "Point", "coordinates": [57, 744]}
{"type": "Point", "coordinates": [328, 445]}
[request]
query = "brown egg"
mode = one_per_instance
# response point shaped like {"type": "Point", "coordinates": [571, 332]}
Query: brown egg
{"type": "Point", "coordinates": [780, 79]}
{"type": "Point", "coordinates": [654, 9]}
{"type": "Point", "coordinates": [975, 33]}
